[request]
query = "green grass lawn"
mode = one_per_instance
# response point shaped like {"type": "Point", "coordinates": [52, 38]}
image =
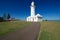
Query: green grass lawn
{"type": "Point", "coordinates": [50, 30]}
{"type": "Point", "coordinates": [6, 27]}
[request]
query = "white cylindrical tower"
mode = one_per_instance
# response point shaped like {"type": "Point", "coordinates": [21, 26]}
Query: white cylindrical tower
{"type": "Point", "coordinates": [32, 9]}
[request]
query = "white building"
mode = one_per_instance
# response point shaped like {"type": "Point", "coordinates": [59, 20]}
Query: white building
{"type": "Point", "coordinates": [33, 17]}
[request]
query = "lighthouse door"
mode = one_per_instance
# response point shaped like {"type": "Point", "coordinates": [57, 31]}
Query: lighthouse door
{"type": "Point", "coordinates": [33, 19]}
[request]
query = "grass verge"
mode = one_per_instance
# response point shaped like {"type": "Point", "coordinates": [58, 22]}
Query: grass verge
{"type": "Point", "coordinates": [6, 27]}
{"type": "Point", "coordinates": [50, 30]}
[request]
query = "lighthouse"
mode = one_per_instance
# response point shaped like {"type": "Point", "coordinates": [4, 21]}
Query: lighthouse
{"type": "Point", "coordinates": [32, 9]}
{"type": "Point", "coordinates": [33, 17]}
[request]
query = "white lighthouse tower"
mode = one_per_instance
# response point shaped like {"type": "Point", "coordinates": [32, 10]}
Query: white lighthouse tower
{"type": "Point", "coordinates": [32, 9]}
{"type": "Point", "coordinates": [33, 17]}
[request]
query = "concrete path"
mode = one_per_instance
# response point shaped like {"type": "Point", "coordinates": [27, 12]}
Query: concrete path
{"type": "Point", "coordinates": [27, 33]}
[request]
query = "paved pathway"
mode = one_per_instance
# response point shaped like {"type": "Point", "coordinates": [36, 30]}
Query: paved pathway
{"type": "Point", "coordinates": [27, 33]}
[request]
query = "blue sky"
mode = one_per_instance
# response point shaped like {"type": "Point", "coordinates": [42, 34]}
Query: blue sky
{"type": "Point", "coordinates": [20, 9]}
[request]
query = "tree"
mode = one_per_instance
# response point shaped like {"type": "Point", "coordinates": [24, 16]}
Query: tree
{"type": "Point", "coordinates": [1, 19]}
{"type": "Point", "coordinates": [46, 20]}
{"type": "Point", "coordinates": [4, 16]}
{"type": "Point", "coordinates": [8, 16]}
